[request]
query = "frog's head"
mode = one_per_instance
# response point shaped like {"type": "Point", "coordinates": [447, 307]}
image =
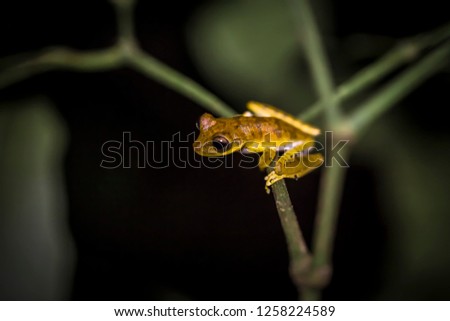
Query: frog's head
{"type": "Point", "coordinates": [216, 137]}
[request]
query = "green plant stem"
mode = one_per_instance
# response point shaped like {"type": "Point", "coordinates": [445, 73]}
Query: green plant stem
{"type": "Point", "coordinates": [317, 59]}
{"type": "Point", "coordinates": [399, 87]}
{"type": "Point", "coordinates": [331, 188]}
{"type": "Point", "coordinates": [125, 21]}
{"type": "Point", "coordinates": [158, 71]}
{"type": "Point", "coordinates": [171, 78]}
{"type": "Point", "coordinates": [299, 256]}
{"type": "Point", "coordinates": [406, 51]}
{"type": "Point", "coordinates": [298, 251]}
{"type": "Point", "coordinates": [61, 58]}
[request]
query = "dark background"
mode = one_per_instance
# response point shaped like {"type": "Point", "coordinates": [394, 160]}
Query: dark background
{"type": "Point", "coordinates": [207, 234]}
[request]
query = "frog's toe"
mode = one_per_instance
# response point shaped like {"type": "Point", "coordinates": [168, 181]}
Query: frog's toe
{"type": "Point", "coordinates": [272, 178]}
{"type": "Point", "coordinates": [269, 176]}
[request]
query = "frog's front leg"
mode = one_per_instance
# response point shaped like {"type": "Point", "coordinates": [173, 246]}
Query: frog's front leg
{"type": "Point", "coordinates": [266, 158]}
{"type": "Point", "coordinates": [294, 164]}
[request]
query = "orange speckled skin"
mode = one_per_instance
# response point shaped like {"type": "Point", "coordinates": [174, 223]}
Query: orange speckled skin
{"type": "Point", "coordinates": [245, 132]}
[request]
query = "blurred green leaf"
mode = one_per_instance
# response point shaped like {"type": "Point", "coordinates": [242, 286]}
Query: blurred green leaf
{"type": "Point", "coordinates": [250, 50]}
{"type": "Point", "coordinates": [36, 247]}
{"type": "Point", "coordinates": [412, 170]}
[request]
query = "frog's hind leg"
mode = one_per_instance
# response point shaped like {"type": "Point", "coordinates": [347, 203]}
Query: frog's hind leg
{"type": "Point", "coordinates": [295, 163]}
{"type": "Point", "coordinates": [304, 165]}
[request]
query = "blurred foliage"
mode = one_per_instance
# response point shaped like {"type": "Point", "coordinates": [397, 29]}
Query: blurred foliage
{"type": "Point", "coordinates": [37, 252]}
{"type": "Point", "coordinates": [250, 50]}
{"type": "Point", "coordinates": [413, 188]}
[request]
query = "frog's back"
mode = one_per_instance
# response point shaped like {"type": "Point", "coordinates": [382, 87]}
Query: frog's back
{"type": "Point", "coordinates": [264, 110]}
{"type": "Point", "coordinates": [267, 129]}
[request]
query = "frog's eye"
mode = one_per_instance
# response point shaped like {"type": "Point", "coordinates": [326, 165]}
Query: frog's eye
{"type": "Point", "coordinates": [221, 143]}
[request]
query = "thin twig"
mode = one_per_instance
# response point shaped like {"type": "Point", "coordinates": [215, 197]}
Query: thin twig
{"type": "Point", "coordinates": [61, 58]}
{"type": "Point", "coordinates": [317, 58]}
{"type": "Point", "coordinates": [182, 84]}
{"type": "Point", "coordinates": [406, 51]}
{"type": "Point", "coordinates": [399, 87]}
{"type": "Point", "coordinates": [299, 256]}
{"type": "Point", "coordinates": [125, 20]}
{"type": "Point", "coordinates": [330, 191]}
{"type": "Point", "coordinates": [298, 250]}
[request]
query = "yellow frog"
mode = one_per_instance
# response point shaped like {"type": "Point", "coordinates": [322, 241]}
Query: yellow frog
{"type": "Point", "coordinates": [265, 130]}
